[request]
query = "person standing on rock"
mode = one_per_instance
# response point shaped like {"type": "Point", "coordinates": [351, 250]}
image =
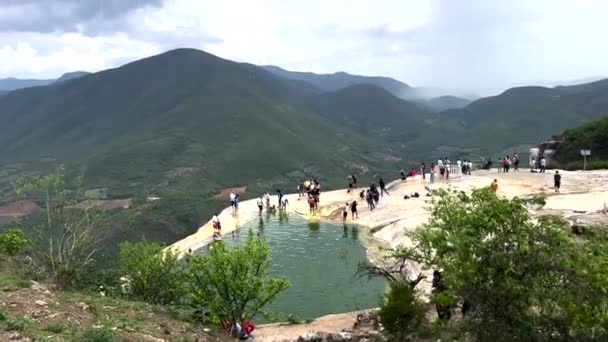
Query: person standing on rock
{"type": "Point", "coordinates": [350, 185]}
{"type": "Point", "coordinates": [515, 162]}
{"type": "Point", "coordinates": [232, 201]}
{"type": "Point", "coordinates": [354, 177]}
{"type": "Point", "coordinates": [432, 172]}
{"type": "Point", "coordinates": [494, 186]}
{"type": "Point", "coordinates": [284, 203]}
{"type": "Point", "coordinates": [260, 204]}
{"type": "Point", "coordinates": [215, 222]}
{"type": "Point", "coordinates": [236, 204]}
{"type": "Point", "coordinates": [543, 164]}
{"type": "Point", "coordinates": [267, 198]}
{"type": "Point", "coordinates": [353, 210]}
{"type": "Point", "coordinates": [280, 196]}
{"type": "Point", "coordinates": [423, 170]}
{"type": "Point", "coordinates": [311, 204]}
{"type": "Point", "coordinates": [345, 210]}
{"type": "Point", "coordinates": [441, 167]}
{"type": "Point", "coordinates": [382, 187]}
{"type": "Point", "coordinates": [557, 181]}
{"type": "Point", "coordinates": [300, 190]}
{"type": "Point", "coordinates": [370, 200]}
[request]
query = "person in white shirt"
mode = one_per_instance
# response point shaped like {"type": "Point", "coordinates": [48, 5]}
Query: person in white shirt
{"type": "Point", "coordinates": [441, 168]}
{"type": "Point", "coordinates": [543, 164]}
{"type": "Point", "coordinates": [284, 203]}
{"type": "Point", "coordinates": [233, 200]}
{"type": "Point", "coordinates": [215, 221]}
{"type": "Point", "coordinates": [267, 198]}
{"type": "Point", "coordinates": [261, 204]}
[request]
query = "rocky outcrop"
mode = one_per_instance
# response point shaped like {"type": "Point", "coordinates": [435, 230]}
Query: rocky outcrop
{"type": "Point", "coordinates": [367, 328]}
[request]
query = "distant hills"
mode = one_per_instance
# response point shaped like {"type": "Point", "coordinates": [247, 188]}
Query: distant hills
{"type": "Point", "coordinates": [442, 103]}
{"type": "Point", "coordinates": [527, 115]}
{"type": "Point", "coordinates": [341, 80]}
{"type": "Point", "coordinates": [10, 84]}
{"type": "Point", "coordinates": [374, 112]}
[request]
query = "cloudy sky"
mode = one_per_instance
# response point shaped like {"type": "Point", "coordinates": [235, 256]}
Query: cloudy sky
{"type": "Point", "coordinates": [474, 46]}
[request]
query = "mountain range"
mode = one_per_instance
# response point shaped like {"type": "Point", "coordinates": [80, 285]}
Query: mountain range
{"type": "Point", "coordinates": [11, 83]}
{"type": "Point", "coordinates": [185, 125]}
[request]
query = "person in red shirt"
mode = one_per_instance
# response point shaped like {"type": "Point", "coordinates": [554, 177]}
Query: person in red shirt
{"type": "Point", "coordinates": [413, 172]}
{"type": "Point", "coordinates": [248, 328]}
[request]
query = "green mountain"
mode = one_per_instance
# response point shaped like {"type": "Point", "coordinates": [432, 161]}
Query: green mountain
{"type": "Point", "coordinates": [11, 83]}
{"type": "Point", "coordinates": [340, 80]}
{"type": "Point", "coordinates": [184, 125]}
{"type": "Point", "coordinates": [373, 111]}
{"type": "Point", "coordinates": [446, 102]}
{"type": "Point", "coordinates": [525, 115]}
{"type": "Point", "coordinates": [71, 75]}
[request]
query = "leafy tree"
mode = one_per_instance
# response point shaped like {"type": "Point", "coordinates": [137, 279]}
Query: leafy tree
{"type": "Point", "coordinates": [234, 282]}
{"type": "Point", "coordinates": [401, 312]}
{"type": "Point", "coordinates": [153, 274]}
{"type": "Point", "coordinates": [519, 280]}
{"type": "Point", "coordinates": [65, 243]}
{"type": "Point", "coordinates": [12, 241]}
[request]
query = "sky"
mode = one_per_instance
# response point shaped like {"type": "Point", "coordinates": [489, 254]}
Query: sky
{"type": "Point", "coordinates": [465, 46]}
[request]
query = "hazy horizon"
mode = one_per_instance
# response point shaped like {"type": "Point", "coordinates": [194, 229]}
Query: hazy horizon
{"type": "Point", "coordinates": [466, 47]}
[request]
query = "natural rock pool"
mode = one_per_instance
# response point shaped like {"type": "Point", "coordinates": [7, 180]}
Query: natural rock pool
{"type": "Point", "coordinates": [319, 259]}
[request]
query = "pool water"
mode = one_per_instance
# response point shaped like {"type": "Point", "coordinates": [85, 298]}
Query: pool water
{"type": "Point", "coordinates": [319, 259]}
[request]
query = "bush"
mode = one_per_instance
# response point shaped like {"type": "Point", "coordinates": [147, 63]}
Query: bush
{"type": "Point", "coordinates": [12, 241]}
{"type": "Point", "coordinates": [152, 274]}
{"type": "Point", "coordinates": [400, 312]}
{"type": "Point", "coordinates": [521, 280]}
{"type": "Point", "coordinates": [3, 315]}
{"type": "Point", "coordinates": [98, 335]}
{"type": "Point", "coordinates": [578, 165]}
{"type": "Point", "coordinates": [18, 324]}
{"type": "Point", "coordinates": [234, 282]}
{"type": "Point", "coordinates": [56, 328]}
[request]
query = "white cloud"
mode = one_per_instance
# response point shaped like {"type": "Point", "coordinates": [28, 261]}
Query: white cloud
{"type": "Point", "coordinates": [473, 46]}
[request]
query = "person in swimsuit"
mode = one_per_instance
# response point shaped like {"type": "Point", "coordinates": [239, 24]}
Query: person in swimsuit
{"type": "Point", "coordinates": [311, 204]}
{"type": "Point", "coordinates": [345, 212]}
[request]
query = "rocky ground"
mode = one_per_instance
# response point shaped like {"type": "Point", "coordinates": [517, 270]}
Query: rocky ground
{"type": "Point", "coordinates": [31, 311]}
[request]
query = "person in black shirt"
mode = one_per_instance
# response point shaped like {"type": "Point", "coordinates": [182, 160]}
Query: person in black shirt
{"type": "Point", "coordinates": [353, 209]}
{"type": "Point", "coordinates": [557, 181]}
{"type": "Point", "coordinates": [382, 187]}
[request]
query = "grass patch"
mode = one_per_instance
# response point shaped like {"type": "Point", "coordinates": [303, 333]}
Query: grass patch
{"type": "Point", "coordinates": [56, 328]}
{"type": "Point", "coordinates": [18, 324]}
{"type": "Point", "coordinates": [98, 335]}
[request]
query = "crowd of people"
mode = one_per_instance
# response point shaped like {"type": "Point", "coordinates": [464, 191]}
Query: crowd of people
{"type": "Point", "coordinates": [505, 163]}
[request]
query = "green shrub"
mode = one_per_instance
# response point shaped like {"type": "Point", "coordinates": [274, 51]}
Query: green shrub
{"type": "Point", "coordinates": [56, 328]}
{"type": "Point", "coordinates": [234, 282]}
{"type": "Point", "coordinates": [98, 335]}
{"type": "Point", "coordinates": [578, 165]}
{"type": "Point", "coordinates": [18, 324]}
{"type": "Point", "coordinates": [152, 274]}
{"type": "Point", "coordinates": [12, 241]}
{"type": "Point", "coordinates": [536, 199]}
{"type": "Point", "coordinates": [400, 312]}
{"type": "Point", "coordinates": [3, 315]}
